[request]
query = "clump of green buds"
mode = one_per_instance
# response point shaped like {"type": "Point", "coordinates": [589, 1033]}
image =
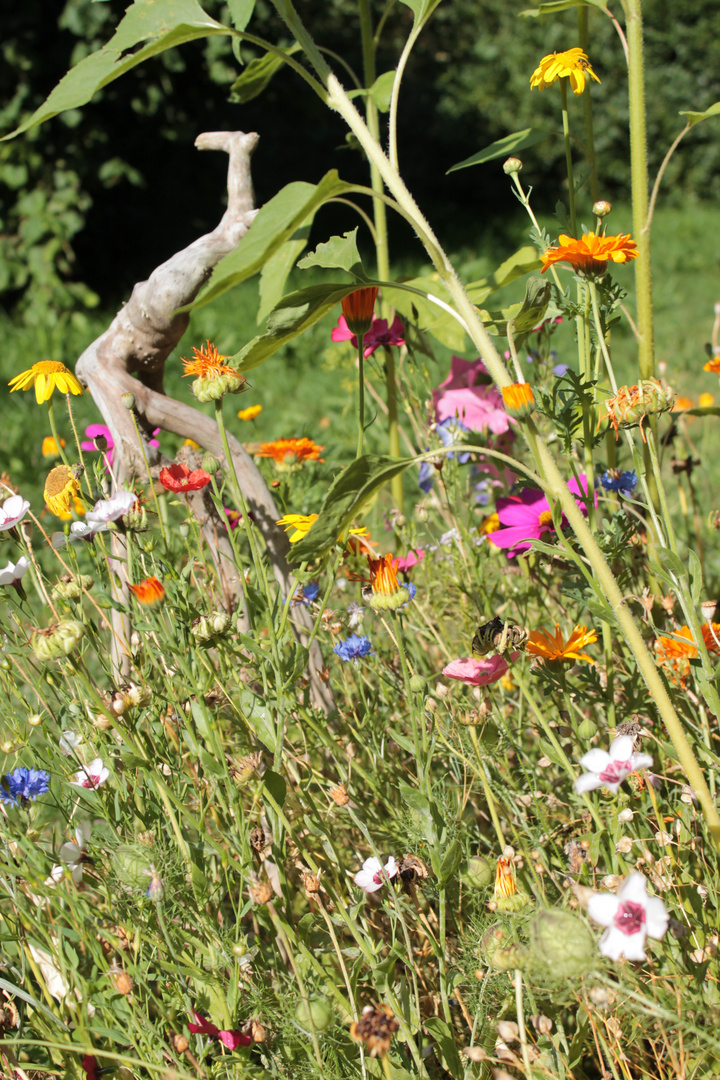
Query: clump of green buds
{"type": "Point", "coordinates": [136, 519]}
{"type": "Point", "coordinates": [57, 640]}
{"type": "Point", "coordinates": [561, 945]}
{"type": "Point", "coordinates": [214, 387]}
{"type": "Point", "coordinates": [70, 587]}
{"type": "Point", "coordinates": [207, 627]}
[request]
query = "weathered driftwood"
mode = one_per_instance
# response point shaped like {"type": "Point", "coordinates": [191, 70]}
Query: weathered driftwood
{"type": "Point", "coordinates": [130, 358]}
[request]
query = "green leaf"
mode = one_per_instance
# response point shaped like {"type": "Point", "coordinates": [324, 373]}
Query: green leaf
{"type": "Point", "coordinates": [422, 10]}
{"type": "Point", "coordinates": [694, 118]}
{"type": "Point", "coordinates": [438, 1030]}
{"type": "Point", "coordinates": [524, 261]}
{"type": "Point", "coordinates": [505, 147]}
{"type": "Point", "coordinates": [430, 318]}
{"type": "Point", "coordinates": [381, 90]}
{"type": "Point", "coordinates": [450, 863]}
{"type": "Point", "coordinates": [338, 252]}
{"type": "Point", "coordinates": [348, 493]}
{"type": "Point", "coordinates": [274, 224]}
{"type": "Point", "coordinates": [257, 75]}
{"type": "Point", "coordinates": [275, 272]}
{"type": "Point", "coordinates": [671, 563]}
{"type": "Point", "coordinates": [696, 577]}
{"type": "Point", "coordinates": [538, 293]}
{"type": "Point", "coordinates": [256, 716]}
{"type": "Point", "coordinates": [276, 785]}
{"type": "Point", "coordinates": [551, 7]}
{"type": "Point", "coordinates": [240, 12]}
{"type": "Point", "coordinates": [162, 23]}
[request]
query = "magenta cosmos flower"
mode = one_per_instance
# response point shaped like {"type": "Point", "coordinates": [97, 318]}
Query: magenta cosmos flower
{"type": "Point", "coordinates": [94, 430]}
{"type": "Point", "coordinates": [378, 334]}
{"type": "Point", "coordinates": [526, 516]}
{"type": "Point", "coordinates": [478, 672]}
{"type": "Point", "coordinates": [469, 395]}
{"type": "Point", "coordinates": [231, 1039]}
{"type": "Point", "coordinates": [406, 562]}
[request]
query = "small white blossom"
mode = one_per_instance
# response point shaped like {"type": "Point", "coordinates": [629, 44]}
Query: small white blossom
{"type": "Point", "coordinates": [374, 875]}
{"type": "Point", "coordinates": [630, 917]}
{"type": "Point", "coordinates": [91, 776]}
{"type": "Point", "coordinates": [69, 742]}
{"type": "Point", "coordinates": [72, 854]}
{"type": "Point", "coordinates": [13, 573]}
{"type": "Point", "coordinates": [608, 770]}
{"type": "Point", "coordinates": [107, 510]}
{"type": "Point", "coordinates": [12, 511]}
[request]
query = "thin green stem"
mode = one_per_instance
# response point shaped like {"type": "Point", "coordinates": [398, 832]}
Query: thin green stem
{"type": "Point", "coordinates": [361, 395]}
{"type": "Point", "coordinates": [568, 155]}
{"type": "Point", "coordinates": [54, 430]}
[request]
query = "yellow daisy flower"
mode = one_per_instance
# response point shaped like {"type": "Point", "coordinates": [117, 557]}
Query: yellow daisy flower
{"type": "Point", "coordinates": [45, 376]}
{"type": "Point", "coordinates": [547, 646]}
{"type": "Point", "coordinates": [572, 64]}
{"type": "Point", "coordinates": [61, 487]}
{"type": "Point", "coordinates": [297, 525]}
{"type": "Point", "coordinates": [250, 413]}
{"type": "Point", "coordinates": [78, 507]}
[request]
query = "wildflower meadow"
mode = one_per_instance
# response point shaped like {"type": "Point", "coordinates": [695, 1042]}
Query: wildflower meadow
{"type": "Point", "coordinates": [384, 747]}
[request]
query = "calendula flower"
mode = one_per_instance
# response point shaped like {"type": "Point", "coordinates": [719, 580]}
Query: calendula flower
{"type": "Point", "coordinates": [45, 376]}
{"type": "Point", "coordinates": [61, 487]}
{"type": "Point", "coordinates": [608, 770]}
{"type": "Point", "coordinates": [713, 365]}
{"type": "Point", "coordinates": [213, 377]}
{"type": "Point", "coordinates": [357, 308]}
{"type": "Point", "coordinates": [505, 883]}
{"type": "Point", "coordinates": [179, 478]}
{"type": "Point", "coordinates": [148, 592]}
{"type": "Point", "coordinates": [297, 525]}
{"type": "Point", "coordinates": [590, 254]}
{"type": "Point", "coordinates": [572, 64]}
{"type": "Point", "coordinates": [231, 1039]}
{"type": "Point", "coordinates": [374, 875]}
{"type": "Point", "coordinates": [675, 655]}
{"type": "Point", "coordinates": [91, 776]}
{"type": "Point", "coordinates": [630, 917]}
{"type": "Point", "coordinates": [384, 591]}
{"type": "Point", "coordinates": [711, 636]}
{"type": "Point", "coordinates": [50, 447]}
{"type": "Point", "coordinates": [547, 646]}
{"type": "Point", "coordinates": [681, 404]}
{"type": "Point", "coordinates": [250, 413]}
{"type": "Point", "coordinates": [289, 455]}
{"type": "Point", "coordinates": [518, 399]}
{"type": "Point", "coordinates": [631, 405]}
{"type": "Point", "coordinates": [23, 785]}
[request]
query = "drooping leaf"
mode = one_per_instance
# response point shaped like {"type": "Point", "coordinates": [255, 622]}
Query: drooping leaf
{"type": "Point", "coordinates": [275, 223]}
{"type": "Point", "coordinates": [505, 147]}
{"type": "Point", "coordinates": [258, 73]}
{"type": "Point", "coordinates": [163, 24]}
{"type": "Point", "coordinates": [381, 90]}
{"type": "Point", "coordinates": [241, 12]}
{"type": "Point", "coordinates": [276, 786]}
{"type": "Point", "coordinates": [348, 493]}
{"type": "Point", "coordinates": [275, 272]}
{"type": "Point", "coordinates": [694, 118]}
{"type": "Point", "coordinates": [552, 7]}
{"type": "Point", "coordinates": [339, 252]}
{"type": "Point", "coordinates": [538, 293]}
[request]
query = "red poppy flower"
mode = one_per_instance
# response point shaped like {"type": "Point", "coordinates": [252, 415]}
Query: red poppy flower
{"type": "Point", "coordinates": [180, 478]}
{"type": "Point", "coordinates": [231, 1039]}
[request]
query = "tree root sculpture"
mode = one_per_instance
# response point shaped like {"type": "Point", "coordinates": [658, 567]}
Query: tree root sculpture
{"type": "Point", "coordinates": [129, 358]}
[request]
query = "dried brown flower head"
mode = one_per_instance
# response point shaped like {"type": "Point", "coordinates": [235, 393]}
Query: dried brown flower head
{"type": "Point", "coordinates": [339, 795]}
{"type": "Point", "coordinates": [9, 1016]}
{"type": "Point", "coordinates": [412, 869]}
{"type": "Point", "coordinates": [261, 892]}
{"type": "Point", "coordinates": [375, 1028]}
{"type": "Point", "coordinates": [259, 839]}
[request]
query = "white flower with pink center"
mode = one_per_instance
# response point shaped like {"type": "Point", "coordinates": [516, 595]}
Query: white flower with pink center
{"type": "Point", "coordinates": [91, 776]}
{"type": "Point", "coordinates": [608, 770]}
{"type": "Point", "coordinates": [630, 917]}
{"type": "Point", "coordinates": [374, 875]}
{"type": "Point", "coordinates": [12, 511]}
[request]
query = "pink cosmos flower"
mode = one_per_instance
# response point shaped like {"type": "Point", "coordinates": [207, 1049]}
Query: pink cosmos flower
{"type": "Point", "coordinates": [526, 516]}
{"type": "Point", "coordinates": [378, 334]}
{"type": "Point", "coordinates": [478, 672]}
{"type": "Point", "coordinates": [608, 770]}
{"type": "Point", "coordinates": [94, 430]}
{"type": "Point", "coordinates": [374, 875]}
{"type": "Point", "coordinates": [630, 917]}
{"type": "Point", "coordinates": [231, 1039]}
{"type": "Point", "coordinates": [93, 775]}
{"type": "Point", "coordinates": [407, 561]}
{"type": "Point", "coordinates": [469, 395]}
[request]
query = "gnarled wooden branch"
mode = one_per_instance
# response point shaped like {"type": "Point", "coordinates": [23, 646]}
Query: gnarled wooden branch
{"type": "Point", "coordinates": [130, 358]}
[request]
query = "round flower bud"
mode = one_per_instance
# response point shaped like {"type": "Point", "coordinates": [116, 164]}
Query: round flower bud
{"type": "Point", "coordinates": [602, 208]}
{"type": "Point", "coordinates": [210, 464]}
{"type": "Point", "coordinates": [57, 640]}
{"type": "Point", "coordinates": [586, 729]}
{"type": "Point", "coordinates": [561, 945]}
{"type": "Point", "coordinates": [421, 513]}
{"type": "Point", "coordinates": [400, 521]}
{"type": "Point", "coordinates": [210, 626]}
{"type": "Point", "coordinates": [239, 949]}
{"type": "Point", "coordinates": [512, 166]}
{"type": "Point", "coordinates": [128, 401]}
{"type": "Point", "coordinates": [180, 1043]}
{"type": "Point", "coordinates": [261, 892]}
{"type": "Point", "coordinates": [316, 1012]}
{"type": "Point", "coordinates": [418, 684]}
{"type": "Point", "coordinates": [477, 873]}
{"type": "Point", "coordinates": [35, 720]}
{"type": "Point", "coordinates": [123, 982]}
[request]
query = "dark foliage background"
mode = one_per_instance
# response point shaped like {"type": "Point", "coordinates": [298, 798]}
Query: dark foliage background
{"type": "Point", "coordinates": [101, 196]}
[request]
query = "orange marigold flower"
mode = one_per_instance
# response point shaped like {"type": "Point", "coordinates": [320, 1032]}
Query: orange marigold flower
{"type": "Point", "coordinates": [50, 447]}
{"type": "Point", "coordinates": [358, 308]}
{"type": "Point", "coordinates": [713, 365]}
{"type": "Point", "coordinates": [149, 592]}
{"type": "Point", "coordinates": [207, 361]}
{"type": "Point", "coordinates": [288, 455]}
{"type": "Point", "coordinates": [384, 591]}
{"type": "Point", "coordinates": [518, 399]}
{"type": "Point", "coordinates": [682, 403]}
{"type": "Point", "coordinates": [711, 636]}
{"type": "Point", "coordinates": [676, 654]}
{"type": "Point", "coordinates": [591, 254]}
{"type": "Point", "coordinates": [547, 646]}
{"type": "Point", "coordinates": [505, 883]}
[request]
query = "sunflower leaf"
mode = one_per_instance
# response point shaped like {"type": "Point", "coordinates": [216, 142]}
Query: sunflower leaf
{"type": "Point", "coordinates": [505, 147]}
{"type": "Point", "coordinates": [694, 118]}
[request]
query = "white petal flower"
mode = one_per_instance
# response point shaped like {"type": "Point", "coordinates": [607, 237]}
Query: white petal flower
{"type": "Point", "coordinates": [14, 572]}
{"type": "Point", "coordinates": [608, 770]}
{"type": "Point", "coordinates": [92, 775]}
{"type": "Point", "coordinates": [12, 511]}
{"type": "Point", "coordinates": [72, 852]}
{"type": "Point", "coordinates": [630, 917]}
{"type": "Point", "coordinates": [79, 530]}
{"type": "Point", "coordinates": [111, 509]}
{"type": "Point", "coordinates": [69, 742]}
{"type": "Point", "coordinates": [373, 875]}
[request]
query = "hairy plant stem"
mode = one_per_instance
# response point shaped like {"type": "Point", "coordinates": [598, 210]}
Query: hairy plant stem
{"type": "Point", "coordinates": [339, 101]}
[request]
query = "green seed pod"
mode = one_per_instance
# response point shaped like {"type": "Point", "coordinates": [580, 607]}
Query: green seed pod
{"type": "Point", "coordinates": [131, 863]}
{"type": "Point", "coordinates": [71, 588]}
{"type": "Point", "coordinates": [210, 626]}
{"type": "Point", "coordinates": [586, 729]}
{"type": "Point", "coordinates": [389, 601]}
{"type": "Point", "coordinates": [418, 684]}
{"type": "Point", "coordinates": [477, 873]}
{"type": "Point", "coordinates": [57, 640]}
{"type": "Point", "coordinates": [421, 514]}
{"type": "Point", "coordinates": [317, 1010]}
{"type": "Point", "coordinates": [512, 165]}
{"type": "Point", "coordinates": [210, 464]}
{"type": "Point", "coordinates": [128, 401]}
{"type": "Point", "coordinates": [561, 945]}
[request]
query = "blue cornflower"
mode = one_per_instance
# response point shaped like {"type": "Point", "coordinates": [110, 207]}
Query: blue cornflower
{"type": "Point", "coordinates": [24, 784]}
{"type": "Point", "coordinates": [482, 493]}
{"type": "Point", "coordinates": [426, 477]}
{"type": "Point", "coordinates": [451, 430]}
{"type": "Point", "coordinates": [310, 591]}
{"type": "Point", "coordinates": [624, 483]}
{"type": "Point", "coordinates": [355, 647]}
{"type": "Point", "coordinates": [560, 369]}
{"type": "Point", "coordinates": [412, 593]}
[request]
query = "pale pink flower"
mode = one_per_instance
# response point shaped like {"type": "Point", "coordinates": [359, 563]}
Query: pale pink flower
{"type": "Point", "coordinates": [374, 875]}
{"type": "Point", "coordinates": [411, 559]}
{"type": "Point", "coordinates": [91, 776]}
{"type": "Point", "coordinates": [478, 672]}
{"type": "Point", "coordinates": [12, 511]}
{"type": "Point", "coordinates": [469, 394]}
{"type": "Point", "coordinates": [630, 917]}
{"type": "Point", "coordinates": [608, 770]}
